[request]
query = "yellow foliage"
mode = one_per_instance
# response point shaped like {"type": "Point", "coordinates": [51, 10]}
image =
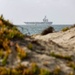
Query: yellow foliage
{"type": "Point", "coordinates": [56, 70]}
{"type": "Point", "coordinates": [3, 71]}
{"type": "Point", "coordinates": [71, 64]}
{"type": "Point", "coordinates": [65, 29]}
{"type": "Point", "coordinates": [34, 68]}
{"type": "Point", "coordinates": [21, 53]}
{"type": "Point", "coordinates": [30, 46]}
{"type": "Point", "coordinates": [27, 72]}
{"type": "Point", "coordinates": [14, 72]}
{"type": "Point", "coordinates": [1, 53]}
{"type": "Point", "coordinates": [5, 44]}
{"type": "Point", "coordinates": [4, 61]}
{"type": "Point", "coordinates": [44, 72]}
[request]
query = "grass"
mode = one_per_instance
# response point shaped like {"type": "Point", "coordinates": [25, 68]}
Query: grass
{"type": "Point", "coordinates": [44, 72]}
{"type": "Point", "coordinates": [30, 46]}
{"type": "Point", "coordinates": [65, 29]}
{"type": "Point", "coordinates": [61, 56]}
{"type": "Point", "coordinates": [71, 64]}
{"type": "Point", "coordinates": [21, 53]}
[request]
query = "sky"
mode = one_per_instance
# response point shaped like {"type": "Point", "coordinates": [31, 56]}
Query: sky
{"type": "Point", "coordinates": [20, 11]}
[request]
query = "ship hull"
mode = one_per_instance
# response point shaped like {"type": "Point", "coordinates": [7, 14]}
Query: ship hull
{"type": "Point", "coordinates": [38, 23]}
{"type": "Point", "coordinates": [45, 22]}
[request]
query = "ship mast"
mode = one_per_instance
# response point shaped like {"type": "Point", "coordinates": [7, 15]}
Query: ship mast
{"type": "Point", "coordinates": [45, 20]}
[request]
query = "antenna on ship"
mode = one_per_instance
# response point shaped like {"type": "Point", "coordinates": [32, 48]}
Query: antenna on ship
{"type": "Point", "coordinates": [45, 20]}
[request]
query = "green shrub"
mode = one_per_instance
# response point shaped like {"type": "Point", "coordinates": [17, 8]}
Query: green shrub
{"type": "Point", "coordinates": [34, 69]}
{"type": "Point", "coordinates": [15, 72]}
{"type": "Point", "coordinates": [57, 70]}
{"type": "Point", "coordinates": [30, 46]}
{"type": "Point", "coordinates": [1, 53]}
{"type": "Point", "coordinates": [61, 56]}
{"type": "Point", "coordinates": [65, 29]}
{"type": "Point", "coordinates": [44, 72]}
{"type": "Point", "coordinates": [3, 71]}
{"type": "Point", "coordinates": [4, 61]}
{"type": "Point", "coordinates": [21, 53]}
{"type": "Point", "coordinates": [71, 64]}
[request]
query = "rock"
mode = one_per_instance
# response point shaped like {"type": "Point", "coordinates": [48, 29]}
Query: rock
{"type": "Point", "coordinates": [26, 63]}
{"type": "Point", "coordinates": [61, 45]}
{"type": "Point", "coordinates": [12, 58]}
{"type": "Point", "coordinates": [47, 30]}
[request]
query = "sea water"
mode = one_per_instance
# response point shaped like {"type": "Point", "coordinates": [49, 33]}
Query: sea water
{"type": "Point", "coordinates": [37, 29]}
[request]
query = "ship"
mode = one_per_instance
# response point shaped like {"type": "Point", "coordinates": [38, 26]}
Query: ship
{"type": "Point", "coordinates": [45, 22]}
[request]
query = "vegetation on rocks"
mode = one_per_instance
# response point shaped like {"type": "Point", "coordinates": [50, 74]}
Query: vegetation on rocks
{"type": "Point", "coordinates": [71, 64]}
{"type": "Point", "coordinates": [9, 50]}
{"type": "Point", "coordinates": [30, 46]}
{"type": "Point", "coordinates": [61, 56]}
{"type": "Point", "coordinates": [8, 32]}
{"type": "Point", "coordinates": [20, 55]}
{"type": "Point", "coordinates": [67, 28]}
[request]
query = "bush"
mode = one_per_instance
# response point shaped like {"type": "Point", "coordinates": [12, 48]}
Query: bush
{"type": "Point", "coordinates": [3, 71]}
{"type": "Point", "coordinates": [4, 61]}
{"type": "Point", "coordinates": [71, 64]}
{"type": "Point", "coordinates": [21, 53]}
{"type": "Point", "coordinates": [72, 26]}
{"type": "Point", "coordinates": [61, 56]}
{"type": "Point", "coordinates": [65, 29]}
{"type": "Point", "coordinates": [44, 72]}
{"type": "Point", "coordinates": [30, 46]}
{"type": "Point", "coordinates": [34, 69]}
{"type": "Point", "coordinates": [1, 53]}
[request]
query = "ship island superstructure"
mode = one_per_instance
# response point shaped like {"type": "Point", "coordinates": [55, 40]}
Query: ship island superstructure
{"type": "Point", "coordinates": [45, 22]}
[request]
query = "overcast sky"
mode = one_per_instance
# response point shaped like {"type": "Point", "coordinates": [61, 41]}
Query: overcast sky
{"type": "Point", "coordinates": [20, 11]}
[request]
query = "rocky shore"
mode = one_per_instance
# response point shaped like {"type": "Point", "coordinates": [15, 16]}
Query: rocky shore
{"type": "Point", "coordinates": [50, 54]}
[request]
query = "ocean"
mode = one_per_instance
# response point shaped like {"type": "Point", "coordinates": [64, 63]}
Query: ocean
{"type": "Point", "coordinates": [37, 29]}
